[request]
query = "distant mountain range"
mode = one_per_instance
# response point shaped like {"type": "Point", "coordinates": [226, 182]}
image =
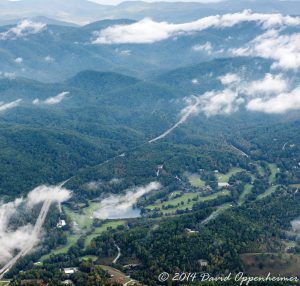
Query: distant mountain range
{"type": "Point", "coordinates": [83, 12]}
{"type": "Point", "coordinates": [69, 50]}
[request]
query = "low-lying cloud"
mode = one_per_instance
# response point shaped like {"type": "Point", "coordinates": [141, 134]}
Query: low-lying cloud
{"type": "Point", "coordinates": [23, 29]}
{"type": "Point", "coordinates": [52, 100]}
{"type": "Point", "coordinates": [148, 31]}
{"type": "Point", "coordinates": [18, 238]}
{"type": "Point", "coordinates": [8, 75]}
{"type": "Point", "coordinates": [281, 103]}
{"type": "Point", "coordinates": [207, 47]}
{"type": "Point", "coordinates": [121, 206]}
{"type": "Point", "coordinates": [52, 193]}
{"type": "Point", "coordinates": [19, 60]}
{"type": "Point", "coordinates": [284, 49]}
{"type": "Point", "coordinates": [272, 94]}
{"type": "Point", "coordinates": [9, 105]}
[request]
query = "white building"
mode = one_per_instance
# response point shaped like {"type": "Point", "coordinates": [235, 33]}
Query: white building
{"type": "Point", "coordinates": [71, 270]}
{"type": "Point", "coordinates": [61, 223]}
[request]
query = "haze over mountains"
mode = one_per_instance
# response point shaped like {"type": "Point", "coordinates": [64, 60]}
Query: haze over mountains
{"type": "Point", "coordinates": [180, 120]}
{"type": "Point", "coordinates": [83, 12]}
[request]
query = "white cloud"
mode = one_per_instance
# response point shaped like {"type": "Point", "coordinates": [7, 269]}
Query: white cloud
{"type": "Point", "coordinates": [17, 239]}
{"type": "Point", "coordinates": [121, 206]}
{"type": "Point", "coordinates": [271, 94]}
{"type": "Point", "coordinates": [270, 84]}
{"type": "Point", "coordinates": [278, 104]}
{"type": "Point", "coordinates": [148, 31]}
{"type": "Point", "coordinates": [19, 60]}
{"type": "Point", "coordinates": [8, 75]}
{"type": "Point", "coordinates": [229, 78]}
{"type": "Point", "coordinates": [23, 29]}
{"type": "Point", "coordinates": [49, 59]}
{"type": "Point", "coordinates": [94, 185]}
{"type": "Point", "coordinates": [207, 47]}
{"type": "Point", "coordinates": [52, 100]}
{"type": "Point", "coordinates": [9, 105]}
{"type": "Point", "coordinates": [220, 102]}
{"type": "Point", "coordinates": [284, 49]}
{"type": "Point", "coordinates": [43, 193]}
{"type": "Point", "coordinates": [116, 2]}
{"type": "Point", "coordinates": [125, 53]}
{"type": "Point", "coordinates": [195, 81]}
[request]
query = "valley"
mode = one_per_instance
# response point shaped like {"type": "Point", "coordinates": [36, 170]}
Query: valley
{"type": "Point", "coordinates": [133, 146]}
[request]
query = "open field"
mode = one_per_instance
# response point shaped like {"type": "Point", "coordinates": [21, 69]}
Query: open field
{"type": "Point", "coordinates": [247, 191]}
{"type": "Point", "coordinates": [72, 240]}
{"type": "Point", "coordinates": [84, 217]}
{"type": "Point", "coordinates": [88, 257]}
{"type": "Point", "coordinates": [101, 229]}
{"type": "Point", "coordinates": [116, 275]}
{"type": "Point", "coordinates": [277, 264]}
{"type": "Point", "coordinates": [224, 178]}
{"type": "Point", "coordinates": [274, 171]}
{"type": "Point", "coordinates": [267, 193]}
{"type": "Point", "coordinates": [195, 181]}
{"type": "Point", "coordinates": [260, 170]}
{"type": "Point", "coordinates": [185, 201]}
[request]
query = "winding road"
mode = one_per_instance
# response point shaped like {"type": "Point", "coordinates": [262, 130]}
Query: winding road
{"type": "Point", "coordinates": [46, 205]}
{"type": "Point", "coordinates": [118, 256]}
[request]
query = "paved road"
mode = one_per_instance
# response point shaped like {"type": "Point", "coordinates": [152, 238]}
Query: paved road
{"type": "Point", "coordinates": [46, 205]}
{"type": "Point", "coordinates": [119, 254]}
{"type": "Point", "coordinates": [240, 151]}
{"type": "Point", "coordinates": [35, 234]}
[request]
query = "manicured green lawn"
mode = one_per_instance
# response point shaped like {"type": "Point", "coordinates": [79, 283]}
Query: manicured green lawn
{"type": "Point", "coordinates": [268, 192]}
{"type": "Point", "coordinates": [72, 240]}
{"type": "Point", "coordinates": [88, 257]}
{"type": "Point", "coordinates": [274, 171]}
{"type": "Point", "coordinates": [84, 218]}
{"type": "Point", "coordinates": [195, 181]}
{"type": "Point", "coordinates": [182, 202]}
{"type": "Point", "coordinates": [247, 191]}
{"type": "Point", "coordinates": [224, 178]}
{"type": "Point", "coordinates": [101, 229]}
{"type": "Point", "coordinates": [260, 170]}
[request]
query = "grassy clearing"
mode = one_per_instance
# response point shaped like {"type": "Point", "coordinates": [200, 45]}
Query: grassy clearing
{"type": "Point", "coordinates": [89, 257]}
{"type": "Point", "coordinates": [4, 283]}
{"type": "Point", "coordinates": [116, 275]}
{"type": "Point", "coordinates": [101, 229]}
{"type": "Point", "coordinates": [185, 201]}
{"type": "Point", "coordinates": [224, 178]}
{"type": "Point", "coordinates": [274, 170]}
{"type": "Point", "coordinates": [83, 218]}
{"type": "Point", "coordinates": [195, 181]}
{"type": "Point", "coordinates": [267, 193]}
{"type": "Point", "coordinates": [283, 264]}
{"type": "Point", "coordinates": [245, 193]}
{"type": "Point", "coordinates": [260, 170]}
{"type": "Point", "coordinates": [295, 185]}
{"type": "Point", "coordinates": [84, 221]}
{"type": "Point", "coordinates": [72, 240]}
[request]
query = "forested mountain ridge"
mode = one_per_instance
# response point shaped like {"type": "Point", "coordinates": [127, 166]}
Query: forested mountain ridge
{"type": "Point", "coordinates": [131, 148]}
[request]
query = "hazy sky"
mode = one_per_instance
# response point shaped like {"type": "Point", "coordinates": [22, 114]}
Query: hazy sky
{"type": "Point", "coordinates": [114, 2]}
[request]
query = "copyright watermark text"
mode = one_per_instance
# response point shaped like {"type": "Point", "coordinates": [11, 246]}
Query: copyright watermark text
{"type": "Point", "coordinates": [240, 278]}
